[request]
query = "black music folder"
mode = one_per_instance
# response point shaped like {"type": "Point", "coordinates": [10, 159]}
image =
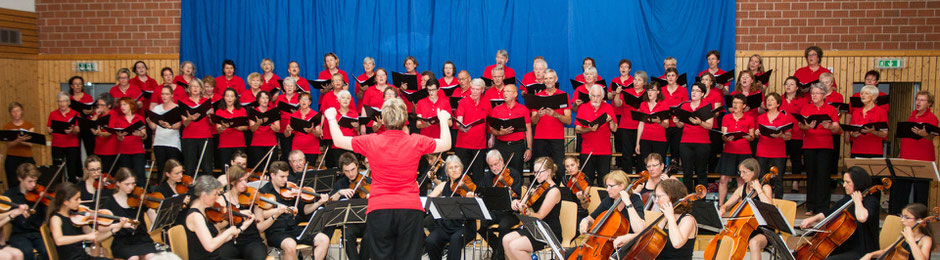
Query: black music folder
{"type": "Point", "coordinates": [753, 101]}
{"type": "Point", "coordinates": [371, 113]}
{"type": "Point", "coordinates": [518, 124]}
{"type": "Point", "coordinates": [496, 102]}
{"type": "Point", "coordinates": [472, 124]}
{"type": "Point", "coordinates": [449, 90]}
{"type": "Point", "coordinates": [819, 118]}
{"type": "Point", "coordinates": [265, 118]}
{"type": "Point", "coordinates": [171, 117]}
{"type": "Point", "coordinates": [368, 82]}
{"type": "Point", "coordinates": [414, 96]}
{"type": "Point", "coordinates": [597, 121]}
{"type": "Point", "coordinates": [10, 135]}
{"type": "Point", "coordinates": [79, 106]}
{"type": "Point", "coordinates": [538, 102]}
{"type": "Point", "coordinates": [702, 113]}
{"type": "Point", "coordinates": [233, 122]}
{"type": "Point", "coordinates": [535, 88]}
{"type": "Point", "coordinates": [347, 122]}
{"type": "Point", "coordinates": [201, 109]}
{"type": "Point", "coordinates": [287, 107]}
{"type": "Point", "coordinates": [806, 85]}
{"type": "Point", "coordinates": [856, 102]}
{"type": "Point", "coordinates": [766, 130]}
{"type": "Point", "coordinates": [648, 118]}
{"type": "Point", "coordinates": [319, 83]}
{"type": "Point", "coordinates": [299, 124]}
{"type": "Point", "coordinates": [59, 127]}
{"type": "Point", "coordinates": [841, 107]}
{"type": "Point", "coordinates": [764, 78]}
{"type": "Point", "coordinates": [878, 126]}
{"type": "Point", "coordinates": [126, 130]}
{"type": "Point", "coordinates": [906, 130]}
{"type": "Point", "coordinates": [722, 79]}
{"type": "Point", "coordinates": [88, 124]}
{"type": "Point", "coordinates": [399, 78]}
{"type": "Point", "coordinates": [734, 135]}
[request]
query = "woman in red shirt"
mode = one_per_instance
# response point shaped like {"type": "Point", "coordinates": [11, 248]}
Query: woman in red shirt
{"type": "Point", "coordinates": [586, 63]}
{"type": "Point", "coordinates": [306, 140]}
{"type": "Point", "coordinates": [268, 78]}
{"type": "Point", "coordinates": [626, 126]}
{"type": "Point", "coordinates": [228, 79]}
{"type": "Point", "coordinates": [713, 57]}
{"type": "Point", "coordinates": [673, 96]}
{"type": "Point", "coordinates": [589, 79]}
{"type": "Point", "coordinates": [124, 88]}
{"type": "Point", "coordinates": [329, 99]}
{"type": "Point", "coordinates": [77, 93]}
{"type": "Point", "coordinates": [737, 149]}
{"type": "Point", "coordinates": [179, 92]}
{"type": "Point", "coordinates": [197, 134]}
{"type": "Point", "coordinates": [187, 73]}
{"type": "Point", "coordinates": [548, 139]}
{"type": "Point", "coordinates": [771, 147]}
{"type": "Point", "coordinates": [695, 145]}
{"type": "Point", "coordinates": [145, 83]}
{"type": "Point", "coordinates": [916, 149]}
{"type": "Point", "coordinates": [867, 143]}
{"type": "Point", "coordinates": [624, 79]}
{"type": "Point", "coordinates": [755, 64]}
{"type": "Point", "coordinates": [130, 146]}
{"type": "Point", "coordinates": [106, 144]}
{"type": "Point", "coordinates": [300, 83]}
{"type": "Point", "coordinates": [373, 97]}
{"type": "Point", "coordinates": [289, 99]}
{"type": "Point", "coordinates": [411, 65]}
{"type": "Point", "coordinates": [714, 95]}
{"type": "Point", "coordinates": [231, 138]}
{"type": "Point", "coordinates": [346, 109]}
{"type": "Point", "coordinates": [429, 106]}
{"type": "Point", "coordinates": [747, 87]}
{"type": "Point", "coordinates": [262, 131]}
{"type": "Point", "coordinates": [817, 149]}
{"type": "Point", "coordinates": [330, 68]}
{"type": "Point", "coordinates": [791, 103]}
{"type": "Point", "coordinates": [651, 135]}
{"type": "Point", "coordinates": [368, 67]}
{"type": "Point", "coordinates": [449, 75]}
{"type": "Point", "coordinates": [65, 144]}
{"type": "Point", "coordinates": [810, 73]}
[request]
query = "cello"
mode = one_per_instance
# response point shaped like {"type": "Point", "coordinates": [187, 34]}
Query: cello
{"type": "Point", "coordinates": [741, 223]}
{"type": "Point", "coordinates": [896, 251]}
{"type": "Point", "coordinates": [832, 231]}
{"type": "Point", "coordinates": [650, 242]}
{"type": "Point", "coordinates": [612, 224]}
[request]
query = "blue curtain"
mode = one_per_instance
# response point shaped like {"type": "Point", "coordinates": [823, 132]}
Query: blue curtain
{"type": "Point", "coordinates": [467, 32]}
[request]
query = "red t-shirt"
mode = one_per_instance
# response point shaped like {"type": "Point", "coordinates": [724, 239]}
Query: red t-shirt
{"type": "Point", "coordinates": [868, 143]}
{"type": "Point", "coordinates": [694, 134]}
{"type": "Point", "coordinates": [493, 93]}
{"type": "Point", "coordinates": [793, 107]}
{"type": "Point", "coordinates": [653, 131]}
{"type": "Point", "coordinates": [150, 85]}
{"type": "Point", "coordinates": [716, 99]}
{"type": "Point", "coordinates": [131, 144]}
{"type": "Point", "coordinates": [743, 124]}
{"type": "Point", "coordinates": [132, 92]}
{"type": "Point", "coordinates": [302, 85]}
{"type": "Point", "coordinates": [86, 99]}
{"type": "Point", "coordinates": [475, 137]}
{"type": "Point", "coordinates": [231, 137]}
{"type": "Point", "coordinates": [285, 116]}
{"type": "Point", "coordinates": [505, 112]}
{"type": "Point", "coordinates": [107, 145]}
{"type": "Point", "coordinates": [222, 83]}
{"type": "Point", "coordinates": [268, 85]}
{"type": "Point", "coordinates": [180, 78]}
{"type": "Point", "coordinates": [427, 109]}
{"type": "Point", "coordinates": [819, 137]}
{"type": "Point", "coordinates": [884, 107]}
{"type": "Point", "coordinates": [196, 129]}
{"type": "Point", "coordinates": [264, 136]}
{"type": "Point", "coordinates": [393, 157]}
{"type": "Point", "coordinates": [769, 147]}
{"type": "Point", "coordinates": [507, 72]}
{"type": "Point", "coordinates": [325, 74]}
{"type": "Point", "coordinates": [626, 121]}
{"type": "Point", "coordinates": [716, 74]}
{"type": "Point", "coordinates": [675, 98]}
{"type": "Point", "coordinates": [527, 79]}
{"type": "Point", "coordinates": [617, 80]}
{"type": "Point", "coordinates": [919, 149]}
{"type": "Point", "coordinates": [807, 75]}
{"type": "Point", "coordinates": [346, 131]}
{"type": "Point", "coordinates": [247, 96]}
{"type": "Point", "coordinates": [550, 127]}
{"type": "Point", "coordinates": [372, 97]}
{"type": "Point", "coordinates": [598, 141]}
{"type": "Point", "coordinates": [303, 141]}
{"type": "Point", "coordinates": [63, 140]}
{"type": "Point", "coordinates": [442, 82]}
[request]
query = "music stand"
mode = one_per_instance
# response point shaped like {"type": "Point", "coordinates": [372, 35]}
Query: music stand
{"type": "Point", "coordinates": [314, 225]}
{"type": "Point", "coordinates": [496, 199]}
{"type": "Point", "coordinates": [770, 219]}
{"type": "Point", "coordinates": [543, 233]}
{"type": "Point", "coordinates": [458, 208]}
{"type": "Point", "coordinates": [896, 167]}
{"type": "Point", "coordinates": [167, 213]}
{"type": "Point", "coordinates": [778, 248]}
{"type": "Point", "coordinates": [352, 211]}
{"type": "Point", "coordinates": [706, 214]}
{"type": "Point", "coordinates": [321, 180]}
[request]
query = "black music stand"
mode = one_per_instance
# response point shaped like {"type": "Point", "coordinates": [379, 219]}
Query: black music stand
{"type": "Point", "coordinates": [706, 214]}
{"type": "Point", "coordinates": [543, 233]}
{"type": "Point", "coordinates": [167, 213]}
{"type": "Point", "coordinates": [352, 211]}
{"type": "Point", "coordinates": [495, 199]}
{"type": "Point", "coordinates": [458, 208]}
{"type": "Point", "coordinates": [770, 220]}
{"type": "Point", "coordinates": [321, 180]}
{"type": "Point", "coordinates": [314, 225]}
{"type": "Point", "coordinates": [778, 248]}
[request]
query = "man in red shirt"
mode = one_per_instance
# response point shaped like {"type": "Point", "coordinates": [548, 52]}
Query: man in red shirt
{"type": "Point", "coordinates": [396, 215]}
{"type": "Point", "coordinates": [495, 92]}
{"type": "Point", "coordinates": [502, 57]}
{"type": "Point", "coordinates": [921, 149]}
{"type": "Point", "coordinates": [471, 130]}
{"type": "Point", "coordinates": [596, 137]}
{"type": "Point", "coordinates": [507, 140]}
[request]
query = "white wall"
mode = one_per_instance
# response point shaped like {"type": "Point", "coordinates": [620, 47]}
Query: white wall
{"type": "Point", "coordinates": [21, 5]}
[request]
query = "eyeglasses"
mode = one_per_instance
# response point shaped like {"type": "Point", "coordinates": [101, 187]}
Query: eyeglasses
{"type": "Point", "coordinates": [93, 169]}
{"type": "Point", "coordinates": [653, 165]}
{"type": "Point", "coordinates": [610, 185]}
{"type": "Point", "coordinates": [903, 217]}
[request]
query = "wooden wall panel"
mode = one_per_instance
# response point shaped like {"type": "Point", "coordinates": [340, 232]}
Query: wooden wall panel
{"type": "Point", "coordinates": [26, 23]}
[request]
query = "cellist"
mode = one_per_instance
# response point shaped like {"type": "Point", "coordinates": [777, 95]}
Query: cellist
{"type": "Point", "coordinates": [912, 234]}
{"type": "Point", "coordinates": [520, 244]}
{"type": "Point", "coordinates": [341, 190]}
{"type": "Point", "coordinates": [865, 238]}
{"type": "Point", "coordinates": [680, 227]}
{"type": "Point", "coordinates": [749, 170]}
{"type": "Point", "coordinates": [617, 183]}
{"type": "Point", "coordinates": [455, 232]}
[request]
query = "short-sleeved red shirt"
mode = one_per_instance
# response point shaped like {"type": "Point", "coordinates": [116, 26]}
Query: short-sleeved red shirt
{"type": "Point", "coordinates": [131, 144]}
{"type": "Point", "coordinates": [285, 116]}
{"type": "Point", "coordinates": [919, 149]}
{"type": "Point", "coordinates": [346, 131]}
{"type": "Point", "coordinates": [769, 147]}
{"type": "Point", "coordinates": [372, 97]}
{"type": "Point", "coordinates": [427, 109]}
{"type": "Point", "coordinates": [653, 131]}
{"type": "Point", "coordinates": [884, 107]}
{"type": "Point", "coordinates": [675, 98]}
{"type": "Point", "coordinates": [618, 111]}
{"type": "Point", "coordinates": [132, 92]}
{"type": "Point", "coordinates": [330, 99]}
{"type": "Point", "coordinates": [598, 141]}
{"type": "Point", "coordinates": [819, 137]}
{"type": "Point", "coordinates": [231, 137]}
{"type": "Point", "coordinates": [743, 124]}
{"type": "Point", "coordinates": [753, 111]}
{"type": "Point", "coordinates": [793, 107]}
{"type": "Point", "coordinates": [107, 145]}
{"type": "Point", "coordinates": [550, 127]}
{"type": "Point", "coordinates": [303, 141]}
{"type": "Point", "coordinates": [807, 75]}
{"type": "Point", "coordinates": [264, 136]}
{"type": "Point", "coordinates": [149, 85]}
{"type": "Point", "coordinates": [716, 74]}
{"type": "Point", "coordinates": [716, 98]}
{"type": "Point", "coordinates": [626, 121]}
{"type": "Point", "coordinates": [505, 112]}
{"type": "Point", "coordinates": [222, 83]}
{"type": "Point", "coordinates": [63, 140]}
{"type": "Point", "coordinates": [694, 134]}
{"type": "Point", "coordinates": [393, 157]}
{"type": "Point", "coordinates": [471, 111]}
{"type": "Point", "coordinates": [196, 129]}
{"type": "Point", "coordinates": [268, 85]}
{"type": "Point", "coordinates": [507, 72]}
{"type": "Point", "coordinates": [868, 143]}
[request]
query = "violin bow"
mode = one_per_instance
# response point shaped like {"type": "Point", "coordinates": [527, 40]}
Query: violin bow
{"type": "Point", "coordinates": [359, 183]}
{"type": "Point", "coordinates": [499, 174]}
{"type": "Point", "coordinates": [199, 164]}
{"type": "Point", "coordinates": [143, 194]}
{"type": "Point", "coordinates": [534, 180]}
{"type": "Point", "coordinates": [94, 227]}
{"type": "Point", "coordinates": [113, 163]}
{"type": "Point", "coordinates": [303, 176]}
{"type": "Point", "coordinates": [228, 207]}
{"type": "Point", "coordinates": [264, 158]}
{"type": "Point", "coordinates": [43, 193]}
{"type": "Point", "coordinates": [430, 169]}
{"type": "Point", "coordinates": [465, 171]}
{"type": "Point", "coordinates": [254, 195]}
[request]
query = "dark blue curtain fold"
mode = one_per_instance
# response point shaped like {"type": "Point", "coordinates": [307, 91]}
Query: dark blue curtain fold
{"type": "Point", "coordinates": [467, 32]}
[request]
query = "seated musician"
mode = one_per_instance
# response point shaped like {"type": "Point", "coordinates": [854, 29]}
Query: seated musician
{"type": "Point", "coordinates": [656, 168]}
{"type": "Point", "coordinates": [297, 161]}
{"type": "Point", "coordinates": [248, 243]}
{"type": "Point", "coordinates": [520, 244]}
{"type": "Point", "coordinates": [572, 167]}
{"type": "Point", "coordinates": [6, 251]}
{"type": "Point", "coordinates": [281, 234]}
{"type": "Point", "coordinates": [506, 220]}
{"type": "Point", "coordinates": [238, 158]}
{"type": "Point", "coordinates": [749, 169]}
{"type": "Point", "coordinates": [68, 236]}
{"type": "Point", "coordinates": [93, 171]}
{"type": "Point", "coordinates": [341, 190]}
{"type": "Point", "coordinates": [204, 241]}
{"type": "Point", "coordinates": [680, 226]}
{"type": "Point", "coordinates": [865, 238]}
{"type": "Point", "coordinates": [134, 242]}
{"type": "Point", "coordinates": [617, 183]}
{"type": "Point", "coordinates": [912, 234]}
{"type": "Point", "coordinates": [25, 232]}
{"type": "Point", "coordinates": [427, 182]}
{"type": "Point", "coordinates": [496, 165]}
{"type": "Point", "coordinates": [455, 232]}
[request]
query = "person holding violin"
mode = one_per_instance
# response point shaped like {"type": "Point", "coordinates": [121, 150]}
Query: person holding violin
{"type": "Point", "coordinates": [248, 244]}
{"type": "Point", "coordinates": [133, 242]}
{"type": "Point", "coordinates": [352, 185]}
{"type": "Point", "coordinates": [68, 235]}
{"type": "Point", "coordinates": [865, 209]}
{"type": "Point", "coordinates": [6, 251]}
{"type": "Point", "coordinates": [617, 184]}
{"type": "Point", "coordinates": [572, 168]}
{"type": "Point", "coordinates": [25, 232]}
{"type": "Point", "coordinates": [656, 167]}
{"type": "Point", "coordinates": [680, 227]}
{"type": "Point", "coordinates": [750, 171]}
{"type": "Point", "coordinates": [915, 233]}
{"type": "Point", "coordinates": [282, 232]}
{"type": "Point", "coordinates": [18, 151]}
{"type": "Point", "coordinates": [172, 185]}
{"type": "Point", "coordinates": [520, 244]}
{"type": "Point", "coordinates": [202, 237]}
{"type": "Point", "coordinates": [456, 233]}
{"type": "Point", "coordinates": [297, 160]}
{"type": "Point", "coordinates": [432, 164]}
{"type": "Point", "coordinates": [496, 164]}
{"type": "Point", "coordinates": [93, 173]}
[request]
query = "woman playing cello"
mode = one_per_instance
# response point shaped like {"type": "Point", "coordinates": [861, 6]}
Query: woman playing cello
{"type": "Point", "coordinates": [864, 210]}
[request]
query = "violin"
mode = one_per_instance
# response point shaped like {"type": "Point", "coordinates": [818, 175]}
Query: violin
{"type": "Point", "coordinates": [6, 205]}
{"type": "Point", "coordinates": [649, 242]}
{"type": "Point", "coordinates": [504, 179]}
{"type": "Point", "coordinates": [218, 213]}
{"type": "Point", "coordinates": [84, 216]}
{"type": "Point", "coordinates": [432, 171]}
{"type": "Point", "coordinates": [109, 182]}
{"type": "Point", "coordinates": [182, 187]}
{"type": "Point", "coordinates": [263, 200]}
{"type": "Point", "coordinates": [289, 191]}
{"type": "Point", "coordinates": [832, 231]}
{"type": "Point", "coordinates": [151, 200]}
{"type": "Point", "coordinates": [578, 183]}
{"type": "Point", "coordinates": [741, 223]}
{"type": "Point", "coordinates": [33, 196]}
{"type": "Point", "coordinates": [254, 174]}
{"type": "Point", "coordinates": [464, 186]}
{"type": "Point", "coordinates": [361, 185]}
{"type": "Point", "coordinates": [896, 251]}
{"type": "Point", "coordinates": [599, 244]}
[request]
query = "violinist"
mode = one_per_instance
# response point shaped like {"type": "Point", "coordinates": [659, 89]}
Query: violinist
{"type": "Point", "coordinates": [133, 242]}
{"type": "Point", "coordinates": [617, 183]}
{"type": "Point", "coordinates": [202, 237]}
{"type": "Point", "coordinates": [680, 226]}
{"type": "Point", "coordinates": [655, 167]}
{"type": "Point", "coordinates": [6, 251]}
{"type": "Point", "coordinates": [455, 232]}
{"type": "Point", "coordinates": [297, 161]}
{"type": "Point", "coordinates": [750, 169]}
{"type": "Point", "coordinates": [25, 233]}
{"type": "Point", "coordinates": [248, 243]}
{"type": "Point", "coordinates": [430, 162]}
{"type": "Point", "coordinates": [912, 234]}
{"type": "Point", "coordinates": [68, 236]}
{"type": "Point", "coordinates": [282, 232]}
{"type": "Point", "coordinates": [572, 166]}
{"type": "Point", "coordinates": [238, 158]}
{"type": "Point", "coordinates": [172, 185]}
{"type": "Point", "coordinates": [865, 209]}
{"type": "Point", "coordinates": [520, 244]}
{"type": "Point", "coordinates": [89, 188]}
{"type": "Point", "coordinates": [496, 166]}
{"type": "Point", "coordinates": [341, 190]}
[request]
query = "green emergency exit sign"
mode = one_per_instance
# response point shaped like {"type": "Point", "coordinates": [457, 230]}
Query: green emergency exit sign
{"type": "Point", "coordinates": [86, 66]}
{"type": "Point", "coordinates": [889, 63]}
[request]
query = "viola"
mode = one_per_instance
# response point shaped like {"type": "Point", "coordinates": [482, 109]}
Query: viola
{"type": "Point", "coordinates": [649, 242]}
{"type": "Point", "coordinates": [741, 223]}
{"type": "Point", "coordinates": [533, 195]}
{"type": "Point", "coordinates": [289, 191]}
{"type": "Point", "coordinates": [504, 180]}
{"type": "Point", "coordinates": [109, 182]}
{"type": "Point", "coordinates": [464, 186]}
{"type": "Point", "coordinates": [832, 231]}
{"type": "Point", "coordinates": [39, 195]}
{"type": "Point", "coordinates": [263, 200]}
{"type": "Point", "coordinates": [361, 185]}
{"type": "Point", "coordinates": [6, 205]}
{"type": "Point", "coordinates": [85, 216]}
{"type": "Point", "coordinates": [578, 183]}
{"type": "Point", "coordinates": [612, 224]}
{"type": "Point", "coordinates": [896, 251]}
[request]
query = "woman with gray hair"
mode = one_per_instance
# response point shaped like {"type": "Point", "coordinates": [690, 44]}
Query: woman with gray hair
{"type": "Point", "coordinates": [203, 239]}
{"type": "Point", "coordinates": [455, 234]}
{"type": "Point", "coordinates": [368, 68]}
{"type": "Point", "coordinates": [865, 138]}
{"type": "Point", "coordinates": [63, 126]}
{"type": "Point", "coordinates": [818, 148]}
{"type": "Point", "coordinates": [291, 101]}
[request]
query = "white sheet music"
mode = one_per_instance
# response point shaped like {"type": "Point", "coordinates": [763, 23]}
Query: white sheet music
{"type": "Point", "coordinates": [486, 213]}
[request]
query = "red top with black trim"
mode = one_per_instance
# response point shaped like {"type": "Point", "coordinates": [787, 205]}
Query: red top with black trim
{"type": "Point", "coordinates": [681, 94]}
{"type": "Point", "coordinates": [222, 83]}
{"type": "Point", "coordinates": [264, 136]}
{"type": "Point", "coordinates": [196, 129]}
{"type": "Point", "coordinates": [694, 134]}
{"type": "Point", "coordinates": [793, 107]}
{"type": "Point", "coordinates": [507, 72]}
{"type": "Point", "coordinates": [63, 140]}
{"type": "Point", "coordinates": [868, 143]}
{"type": "Point", "coordinates": [919, 149]}
{"type": "Point", "coordinates": [131, 144]}
{"type": "Point", "coordinates": [626, 121]}
{"type": "Point", "coordinates": [819, 137]}
{"type": "Point", "coordinates": [549, 127]}
{"type": "Point", "coordinates": [231, 137]}
{"type": "Point", "coordinates": [270, 83]}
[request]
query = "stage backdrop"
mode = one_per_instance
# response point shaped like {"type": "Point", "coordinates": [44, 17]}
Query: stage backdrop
{"type": "Point", "coordinates": [467, 32]}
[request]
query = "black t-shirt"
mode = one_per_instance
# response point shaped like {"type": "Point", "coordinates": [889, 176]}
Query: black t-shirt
{"type": "Point", "coordinates": [88, 198]}
{"type": "Point", "coordinates": [342, 182]}
{"type": "Point", "coordinates": [285, 221]}
{"type": "Point", "coordinates": [516, 184]}
{"type": "Point", "coordinates": [127, 236]}
{"type": "Point", "coordinates": [23, 225]}
{"type": "Point", "coordinates": [865, 237]}
{"type": "Point", "coordinates": [607, 202]}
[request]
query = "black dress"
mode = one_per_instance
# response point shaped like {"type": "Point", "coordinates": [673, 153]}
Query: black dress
{"type": "Point", "coordinates": [88, 198]}
{"type": "Point", "coordinates": [129, 242]}
{"type": "Point", "coordinates": [552, 219]}
{"type": "Point", "coordinates": [865, 237]}
{"type": "Point", "coordinates": [249, 243]}
{"type": "Point", "coordinates": [671, 252]}
{"type": "Point", "coordinates": [195, 248]}
{"type": "Point", "coordinates": [72, 251]}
